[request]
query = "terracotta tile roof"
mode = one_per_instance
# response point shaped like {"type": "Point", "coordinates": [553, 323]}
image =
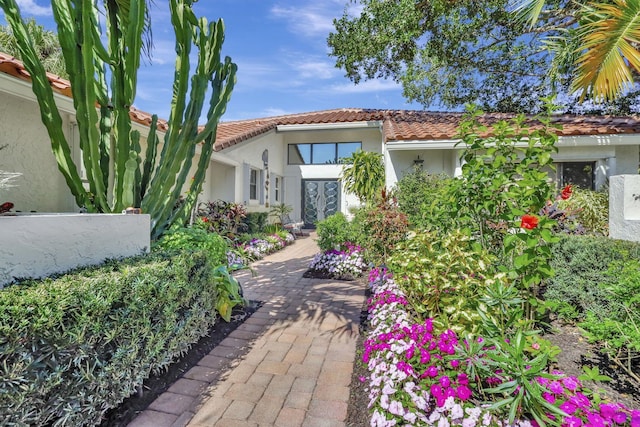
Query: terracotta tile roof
{"type": "Point", "coordinates": [397, 125]}
{"type": "Point", "coordinates": [13, 67]}
{"type": "Point", "coordinates": [406, 125]}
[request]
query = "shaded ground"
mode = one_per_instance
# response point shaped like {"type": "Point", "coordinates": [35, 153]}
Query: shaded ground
{"type": "Point", "coordinates": [157, 384]}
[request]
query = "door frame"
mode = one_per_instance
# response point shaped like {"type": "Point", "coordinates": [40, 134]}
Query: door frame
{"type": "Point", "coordinates": [302, 197]}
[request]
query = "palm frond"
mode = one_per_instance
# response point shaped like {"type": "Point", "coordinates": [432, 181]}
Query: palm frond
{"type": "Point", "coordinates": [528, 11]}
{"type": "Point", "coordinates": [608, 49]}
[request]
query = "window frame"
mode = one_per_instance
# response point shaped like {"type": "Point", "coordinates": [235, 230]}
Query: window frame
{"type": "Point", "coordinates": [336, 150]}
{"type": "Point", "coordinates": [253, 184]}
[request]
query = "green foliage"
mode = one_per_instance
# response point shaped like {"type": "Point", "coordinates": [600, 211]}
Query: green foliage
{"type": "Point", "coordinates": [45, 42]}
{"type": "Point", "coordinates": [419, 194]}
{"type": "Point", "coordinates": [503, 188]}
{"type": "Point", "coordinates": [582, 265]}
{"type": "Point", "coordinates": [519, 392]}
{"type": "Point", "coordinates": [255, 222]}
{"type": "Point", "coordinates": [222, 217]}
{"type": "Point", "coordinates": [590, 208]}
{"type": "Point", "coordinates": [443, 277]}
{"type": "Point", "coordinates": [103, 73]}
{"type": "Point", "coordinates": [363, 175]}
{"type": "Point", "coordinates": [73, 347]}
{"type": "Point", "coordinates": [619, 327]}
{"type": "Point", "coordinates": [229, 292]}
{"type": "Point", "coordinates": [334, 231]}
{"type": "Point", "coordinates": [280, 211]}
{"type": "Point", "coordinates": [195, 239]}
{"type": "Point", "coordinates": [435, 50]}
{"type": "Point", "coordinates": [384, 226]}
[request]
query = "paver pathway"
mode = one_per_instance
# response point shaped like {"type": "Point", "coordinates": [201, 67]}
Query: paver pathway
{"type": "Point", "coordinates": [289, 364]}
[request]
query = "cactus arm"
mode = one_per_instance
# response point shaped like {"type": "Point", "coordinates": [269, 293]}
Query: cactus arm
{"type": "Point", "coordinates": [129, 179]}
{"type": "Point", "coordinates": [48, 111]}
{"type": "Point", "coordinates": [164, 176]}
{"type": "Point", "coordinates": [136, 148]}
{"type": "Point", "coordinates": [83, 84]}
{"type": "Point", "coordinates": [150, 156]}
{"type": "Point", "coordinates": [125, 46]}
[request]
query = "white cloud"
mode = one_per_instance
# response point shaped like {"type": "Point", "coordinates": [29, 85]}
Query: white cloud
{"type": "Point", "coordinates": [313, 19]}
{"type": "Point", "coordinates": [314, 69]}
{"type": "Point", "coordinates": [365, 87]}
{"type": "Point", "coordinates": [29, 7]}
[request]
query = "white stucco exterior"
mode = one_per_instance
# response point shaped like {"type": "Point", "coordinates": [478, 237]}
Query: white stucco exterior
{"type": "Point", "coordinates": [35, 246]}
{"type": "Point", "coordinates": [41, 187]}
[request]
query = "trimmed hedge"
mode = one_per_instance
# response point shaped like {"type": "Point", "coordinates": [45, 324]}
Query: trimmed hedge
{"type": "Point", "coordinates": [73, 347]}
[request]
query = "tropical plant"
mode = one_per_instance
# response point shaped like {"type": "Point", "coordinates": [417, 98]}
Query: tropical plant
{"type": "Point", "coordinates": [363, 175]}
{"type": "Point", "coordinates": [45, 42]}
{"type": "Point", "coordinates": [384, 226]}
{"type": "Point", "coordinates": [195, 239]}
{"type": "Point", "coordinates": [605, 52]}
{"type": "Point", "coordinates": [280, 212]}
{"type": "Point", "coordinates": [103, 73]}
{"type": "Point", "coordinates": [229, 292]}
{"type": "Point", "coordinates": [221, 217]}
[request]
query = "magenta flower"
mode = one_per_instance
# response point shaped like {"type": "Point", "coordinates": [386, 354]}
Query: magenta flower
{"type": "Point", "coordinates": [570, 383]}
{"type": "Point", "coordinates": [568, 407]}
{"type": "Point", "coordinates": [445, 381]}
{"type": "Point", "coordinates": [556, 387]}
{"type": "Point", "coordinates": [549, 397]}
{"type": "Point", "coordinates": [463, 392]}
{"type": "Point", "coordinates": [572, 421]}
{"type": "Point", "coordinates": [595, 420]}
{"type": "Point", "coordinates": [455, 363]}
{"type": "Point", "coordinates": [432, 371]}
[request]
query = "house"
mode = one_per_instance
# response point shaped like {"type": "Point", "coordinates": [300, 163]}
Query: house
{"type": "Point", "coordinates": [294, 159]}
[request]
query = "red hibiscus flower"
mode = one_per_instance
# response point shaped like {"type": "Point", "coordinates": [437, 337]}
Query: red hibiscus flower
{"type": "Point", "coordinates": [566, 192]}
{"type": "Point", "coordinates": [529, 222]}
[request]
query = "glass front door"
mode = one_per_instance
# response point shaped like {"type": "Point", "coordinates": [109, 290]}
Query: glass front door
{"type": "Point", "coordinates": [320, 198]}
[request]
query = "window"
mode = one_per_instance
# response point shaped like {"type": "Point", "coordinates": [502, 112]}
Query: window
{"type": "Point", "coordinates": [277, 188]}
{"type": "Point", "coordinates": [325, 153]}
{"type": "Point", "coordinates": [253, 185]}
{"type": "Point", "coordinates": [580, 174]}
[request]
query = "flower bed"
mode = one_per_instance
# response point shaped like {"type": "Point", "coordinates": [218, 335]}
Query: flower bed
{"type": "Point", "coordinates": [258, 248]}
{"type": "Point", "coordinates": [418, 377]}
{"type": "Point", "coordinates": [339, 264]}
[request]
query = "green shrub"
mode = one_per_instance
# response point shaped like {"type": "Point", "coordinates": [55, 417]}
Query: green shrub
{"type": "Point", "coordinates": [195, 239]}
{"type": "Point", "coordinates": [335, 230]}
{"type": "Point", "coordinates": [590, 208]}
{"type": "Point", "coordinates": [75, 346]}
{"type": "Point", "coordinates": [417, 193]}
{"type": "Point", "coordinates": [255, 222]}
{"type": "Point", "coordinates": [582, 265]}
{"type": "Point", "coordinates": [442, 277]}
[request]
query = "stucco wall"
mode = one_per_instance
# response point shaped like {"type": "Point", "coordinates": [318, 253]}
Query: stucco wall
{"type": "Point", "coordinates": [41, 187]}
{"type": "Point", "coordinates": [40, 245]}
{"type": "Point", "coordinates": [624, 207]}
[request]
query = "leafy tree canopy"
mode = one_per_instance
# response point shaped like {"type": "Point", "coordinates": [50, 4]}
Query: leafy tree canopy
{"type": "Point", "coordinates": [452, 53]}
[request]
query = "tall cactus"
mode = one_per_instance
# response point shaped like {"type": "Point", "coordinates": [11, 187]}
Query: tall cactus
{"type": "Point", "coordinates": [118, 174]}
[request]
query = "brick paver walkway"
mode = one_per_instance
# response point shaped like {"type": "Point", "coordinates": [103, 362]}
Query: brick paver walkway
{"type": "Point", "coordinates": [289, 364]}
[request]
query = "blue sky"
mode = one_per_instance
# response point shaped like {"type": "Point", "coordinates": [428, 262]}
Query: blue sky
{"type": "Point", "coordinates": [281, 52]}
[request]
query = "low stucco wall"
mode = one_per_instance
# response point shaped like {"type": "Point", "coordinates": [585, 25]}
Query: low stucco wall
{"type": "Point", "coordinates": [33, 246]}
{"type": "Point", "coordinates": [624, 207]}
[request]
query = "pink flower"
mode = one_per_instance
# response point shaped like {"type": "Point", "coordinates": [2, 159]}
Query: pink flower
{"type": "Point", "coordinates": [455, 363]}
{"type": "Point", "coordinates": [463, 379]}
{"type": "Point", "coordinates": [572, 421]}
{"type": "Point", "coordinates": [445, 381]}
{"type": "Point", "coordinates": [568, 407]}
{"type": "Point", "coordinates": [570, 383]}
{"type": "Point", "coordinates": [432, 371]}
{"type": "Point", "coordinates": [549, 397]}
{"type": "Point", "coordinates": [463, 392]}
{"type": "Point", "coordinates": [556, 387]}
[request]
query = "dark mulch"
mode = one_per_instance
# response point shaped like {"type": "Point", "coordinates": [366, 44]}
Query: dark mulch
{"type": "Point", "coordinates": [357, 411]}
{"type": "Point", "coordinates": [155, 385]}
